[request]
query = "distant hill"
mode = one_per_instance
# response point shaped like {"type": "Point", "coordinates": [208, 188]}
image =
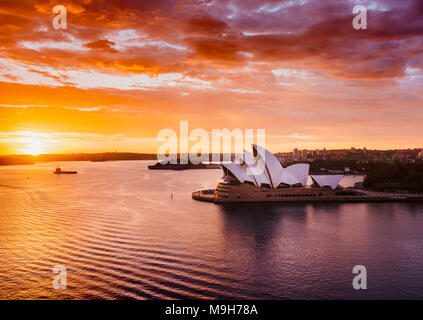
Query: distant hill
{"type": "Point", "coordinates": [13, 160]}
{"type": "Point", "coordinates": [107, 156]}
{"type": "Point", "coordinates": [95, 157]}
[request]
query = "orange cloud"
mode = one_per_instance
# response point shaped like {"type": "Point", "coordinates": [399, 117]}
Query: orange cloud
{"type": "Point", "coordinates": [133, 67]}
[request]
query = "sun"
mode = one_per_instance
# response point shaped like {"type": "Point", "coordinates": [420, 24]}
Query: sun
{"type": "Point", "coordinates": [33, 146]}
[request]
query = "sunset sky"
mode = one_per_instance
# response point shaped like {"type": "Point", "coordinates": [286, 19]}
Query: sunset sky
{"type": "Point", "coordinates": [123, 70]}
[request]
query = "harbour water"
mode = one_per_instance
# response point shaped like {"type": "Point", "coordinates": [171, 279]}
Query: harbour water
{"type": "Point", "coordinates": [124, 232]}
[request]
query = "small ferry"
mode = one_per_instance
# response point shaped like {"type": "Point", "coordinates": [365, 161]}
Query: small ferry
{"type": "Point", "coordinates": [60, 171]}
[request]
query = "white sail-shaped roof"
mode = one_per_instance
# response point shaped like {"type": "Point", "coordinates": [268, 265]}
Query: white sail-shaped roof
{"type": "Point", "coordinates": [256, 168]}
{"type": "Point", "coordinates": [288, 178]}
{"type": "Point", "coordinates": [299, 171]}
{"type": "Point", "coordinates": [266, 170]}
{"type": "Point", "coordinates": [331, 181]}
{"type": "Point", "coordinates": [273, 166]}
{"type": "Point", "coordinates": [239, 171]}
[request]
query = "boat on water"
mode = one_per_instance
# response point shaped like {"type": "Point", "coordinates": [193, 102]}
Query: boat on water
{"type": "Point", "coordinates": [181, 166]}
{"type": "Point", "coordinates": [60, 171]}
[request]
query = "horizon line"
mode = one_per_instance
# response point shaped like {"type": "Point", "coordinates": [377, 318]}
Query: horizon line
{"type": "Point", "coordinates": [149, 153]}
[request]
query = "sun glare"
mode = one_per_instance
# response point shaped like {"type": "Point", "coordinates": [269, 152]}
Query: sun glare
{"type": "Point", "coordinates": [33, 145]}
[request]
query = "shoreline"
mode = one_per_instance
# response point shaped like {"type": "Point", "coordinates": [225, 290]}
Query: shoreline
{"type": "Point", "coordinates": [70, 160]}
{"type": "Point", "coordinates": [366, 196]}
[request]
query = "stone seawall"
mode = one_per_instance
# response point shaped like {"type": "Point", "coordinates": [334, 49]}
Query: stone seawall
{"type": "Point", "coordinates": [208, 196]}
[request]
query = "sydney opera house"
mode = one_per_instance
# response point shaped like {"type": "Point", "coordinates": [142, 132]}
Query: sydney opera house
{"type": "Point", "coordinates": [260, 177]}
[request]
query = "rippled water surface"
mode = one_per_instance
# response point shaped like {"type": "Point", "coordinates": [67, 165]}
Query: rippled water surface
{"type": "Point", "coordinates": [120, 235]}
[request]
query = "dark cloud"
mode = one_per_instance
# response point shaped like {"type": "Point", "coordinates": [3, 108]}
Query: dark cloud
{"type": "Point", "coordinates": [206, 25]}
{"type": "Point", "coordinates": [105, 45]}
{"type": "Point", "coordinates": [312, 33]}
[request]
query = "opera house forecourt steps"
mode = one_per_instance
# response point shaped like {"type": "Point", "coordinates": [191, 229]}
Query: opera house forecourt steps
{"type": "Point", "coordinates": [260, 177]}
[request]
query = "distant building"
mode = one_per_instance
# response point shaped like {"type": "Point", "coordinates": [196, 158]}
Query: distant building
{"type": "Point", "coordinates": [295, 154]}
